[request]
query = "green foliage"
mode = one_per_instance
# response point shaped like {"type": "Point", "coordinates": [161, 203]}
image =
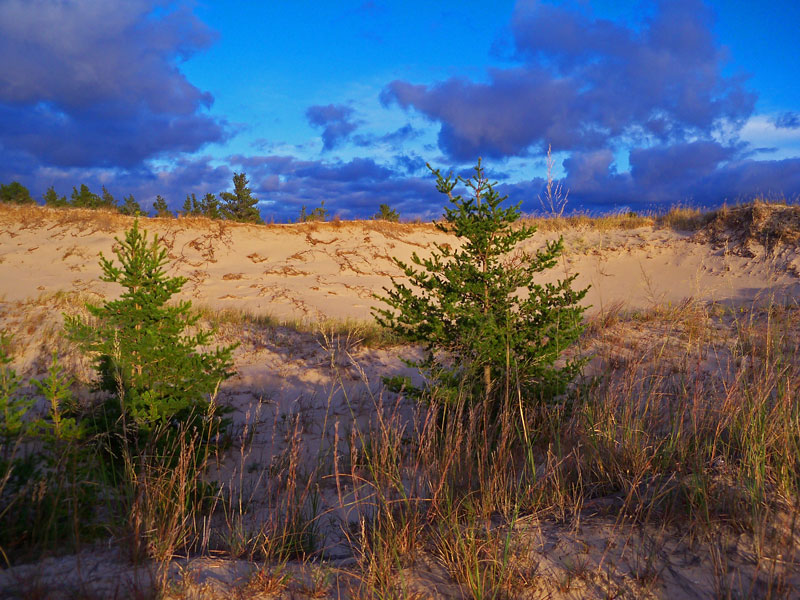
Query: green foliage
{"type": "Point", "coordinates": [386, 213]}
{"type": "Point", "coordinates": [318, 214]}
{"type": "Point", "coordinates": [161, 208]}
{"type": "Point", "coordinates": [240, 205]}
{"type": "Point", "coordinates": [131, 207]}
{"type": "Point", "coordinates": [46, 492]}
{"type": "Point", "coordinates": [191, 207]}
{"type": "Point", "coordinates": [15, 193]}
{"type": "Point", "coordinates": [84, 198]}
{"type": "Point", "coordinates": [12, 406]}
{"type": "Point", "coordinates": [51, 198]}
{"type": "Point", "coordinates": [488, 329]}
{"type": "Point", "coordinates": [107, 200]}
{"type": "Point", "coordinates": [142, 352]}
{"type": "Point", "coordinates": [207, 207]}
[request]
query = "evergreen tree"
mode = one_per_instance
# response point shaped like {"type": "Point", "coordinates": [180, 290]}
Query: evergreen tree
{"type": "Point", "coordinates": [131, 207]}
{"type": "Point", "coordinates": [84, 198]}
{"type": "Point", "coordinates": [142, 353]}
{"type": "Point", "coordinates": [191, 208]}
{"type": "Point", "coordinates": [51, 198]}
{"type": "Point", "coordinates": [317, 214]}
{"type": "Point", "coordinates": [240, 205]}
{"type": "Point", "coordinates": [487, 327]}
{"type": "Point", "coordinates": [186, 209]}
{"type": "Point", "coordinates": [209, 206]}
{"type": "Point", "coordinates": [107, 200]}
{"type": "Point", "coordinates": [15, 193]}
{"type": "Point", "coordinates": [161, 208]}
{"type": "Point", "coordinates": [386, 213]}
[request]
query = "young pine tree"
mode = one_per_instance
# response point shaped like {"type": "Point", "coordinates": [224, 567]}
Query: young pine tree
{"type": "Point", "coordinates": [209, 207]}
{"type": "Point", "coordinates": [51, 198]}
{"type": "Point", "coordinates": [240, 205]}
{"type": "Point", "coordinates": [84, 198]}
{"type": "Point", "coordinates": [386, 213]}
{"type": "Point", "coordinates": [142, 351]}
{"type": "Point", "coordinates": [130, 207]}
{"type": "Point", "coordinates": [107, 200]}
{"type": "Point", "coordinates": [488, 328]}
{"type": "Point", "coordinates": [161, 208]}
{"type": "Point", "coordinates": [191, 208]}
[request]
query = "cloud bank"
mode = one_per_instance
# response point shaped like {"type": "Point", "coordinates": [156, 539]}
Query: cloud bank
{"type": "Point", "coordinates": [643, 115]}
{"type": "Point", "coordinates": [90, 83]}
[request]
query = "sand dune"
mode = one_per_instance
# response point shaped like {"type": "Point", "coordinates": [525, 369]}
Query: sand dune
{"type": "Point", "coordinates": [331, 270]}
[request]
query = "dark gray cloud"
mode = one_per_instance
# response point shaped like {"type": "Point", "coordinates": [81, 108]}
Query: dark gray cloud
{"type": "Point", "coordinates": [410, 163]}
{"type": "Point", "coordinates": [95, 83]}
{"type": "Point", "coordinates": [336, 122]}
{"type": "Point", "coordinates": [350, 189]}
{"type": "Point", "coordinates": [585, 84]}
{"type": "Point", "coordinates": [394, 138]}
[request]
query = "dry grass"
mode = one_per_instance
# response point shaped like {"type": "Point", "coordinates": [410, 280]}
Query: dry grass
{"type": "Point", "coordinates": [623, 221]}
{"type": "Point", "coordinates": [781, 220]}
{"type": "Point", "coordinates": [766, 224]}
{"type": "Point", "coordinates": [682, 440]}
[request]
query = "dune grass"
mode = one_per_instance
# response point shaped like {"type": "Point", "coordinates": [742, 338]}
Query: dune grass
{"type": "Point", "coordinates": [685, 428]}
{"type": "Point", "coordinates": [680, 217]}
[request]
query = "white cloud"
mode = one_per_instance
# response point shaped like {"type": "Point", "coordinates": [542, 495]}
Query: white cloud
{"type": "Point", "coordinates": [760, 132]}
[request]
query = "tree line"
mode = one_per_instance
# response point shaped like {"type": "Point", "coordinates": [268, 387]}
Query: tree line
{"type": "Point", "coordinates": [239, 205]}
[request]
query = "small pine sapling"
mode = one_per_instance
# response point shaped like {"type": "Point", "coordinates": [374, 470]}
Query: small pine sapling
{"type": "Point", "coordinates": [130, 207]}
{"type": "Point", "coordinates": [386, 213]}
{"type": "Point", "coordinates": [161, 208]}
{"type": "Point", "coordinates": [141, 350]}
{"type": "Point", "coordinates": [487, 327]}
{"type": "Point", "coordinates": [51, 198]}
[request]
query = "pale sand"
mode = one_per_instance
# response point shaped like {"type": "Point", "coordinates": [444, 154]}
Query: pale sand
{"type": "Point", "coordinates": [332, 270]}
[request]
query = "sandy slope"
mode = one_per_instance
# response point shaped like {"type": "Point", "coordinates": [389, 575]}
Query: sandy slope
{"type": "Point", "coordinates": [314, 271]}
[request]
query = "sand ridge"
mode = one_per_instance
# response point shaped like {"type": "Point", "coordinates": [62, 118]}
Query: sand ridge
{"type": "Point", "coordinates": [316, 271]}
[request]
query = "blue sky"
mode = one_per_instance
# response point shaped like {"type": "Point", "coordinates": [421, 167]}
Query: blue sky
{"type": "Point", "coordinates": [646, 104]}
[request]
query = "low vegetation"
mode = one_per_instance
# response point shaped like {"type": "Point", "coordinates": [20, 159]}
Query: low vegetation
{"type": "Point", "coordinates": [538, 454]}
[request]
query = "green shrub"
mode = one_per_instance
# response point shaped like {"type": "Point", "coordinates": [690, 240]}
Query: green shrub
{"type": "Point", "coordinates": [47, 494]}
{"type": "Point", "coordinates": [51, 198]}
{"type": "Point", "coordinates": [130, 207]}
{"type": "Point", "coordinates": [488, 329]}
{"type": "Point", "coordinates": [84, 198]}
{"type": "Point", "coordinates": [318, 214]}
{"type": "Point", "coordinates": [160, 207]}
{"type": "Point", "coordinates": [386, 213]}
{"type": "Point", "coordinates": [141, 350]}
{"type": "Point", "coordinates": [15, 193]}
